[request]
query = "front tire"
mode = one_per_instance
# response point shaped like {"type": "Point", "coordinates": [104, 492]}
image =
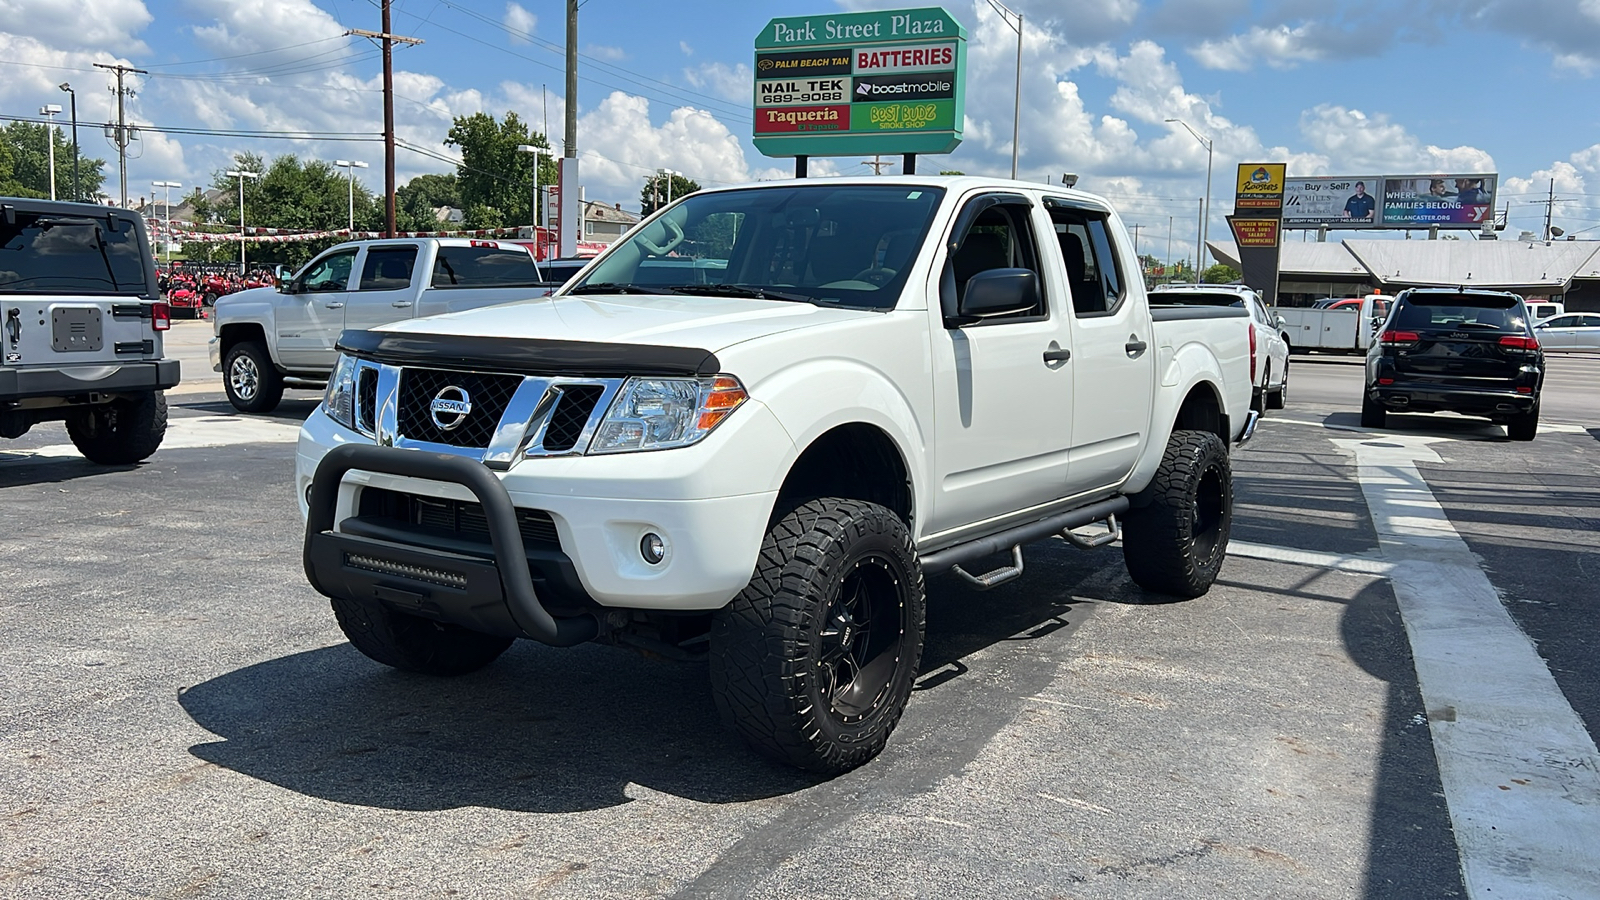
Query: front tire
{"type": "Point", "coordinates": [1373, 415]}
{"type": "Point", "coordinates": [121, 432]}
{"type": "Point", "coordinates": [814, 661]}
{"type": "Point", "coordinates": [252, 382]}
{"type": "Point", "coordinates": [1175, 536]}
{"type": "Point", "coordinates": [414, 644]}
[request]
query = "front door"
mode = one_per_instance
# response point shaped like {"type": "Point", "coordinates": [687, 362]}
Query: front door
{"type": "Point", "coordinates": [311, 316]}
{"type": "Point", "coordinates": [1002, 387]}
{"type": "Point", "coordinates": [383, 293]}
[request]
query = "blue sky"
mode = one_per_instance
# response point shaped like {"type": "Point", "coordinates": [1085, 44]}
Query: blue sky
{"type": "Point", "coordinates": [1333, 88]}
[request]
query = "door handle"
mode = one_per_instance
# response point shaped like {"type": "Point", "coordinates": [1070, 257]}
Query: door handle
{"type": "Point", "coordinates": [1134, 346]}
{"type": "Point", "coordinates": [334, 305]}
{"type": "Point", "coordinates": [401, 304]}
{"type": "Point", "coordinates": [1055, 353]}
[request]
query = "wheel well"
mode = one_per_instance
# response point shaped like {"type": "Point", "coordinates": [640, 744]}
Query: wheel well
{"type": "Point", "coordinates": [232, 335]}
{"type": "Point", "coordinates": [1202, 411]}
{"type": "Point", "coordinates": [857, 461]}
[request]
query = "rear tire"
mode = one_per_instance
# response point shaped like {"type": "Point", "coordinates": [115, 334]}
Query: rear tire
{"type": "Point", "coordinates": [414, 644]}
{"type": "Point", "coordinates": [1373, 415]}
{"type": "Point", "coordinates": [252, 382]}
{"type": "Point", "coordinates": [1279, 398]}
{"type": "Point", "coordinates": [1524, 427]}
{"type": "Point", "coordinates": [121, 432]}
{"type": "Point", "coordinates": [813, 662]}
{"type": "Point", "coordinates": [1175, 536]}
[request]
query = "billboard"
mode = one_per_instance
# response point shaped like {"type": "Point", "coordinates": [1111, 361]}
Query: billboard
{"type": "Point", "coordinates": [1259, 188]}
{"type": "Point", "coordinates": [873, 82]}
{"type": "Point", "coordinates": [1390, 201]}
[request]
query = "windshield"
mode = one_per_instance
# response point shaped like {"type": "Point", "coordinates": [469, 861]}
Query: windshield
{"type": "Point", "coordinates": [846, 245]}
{"type": "Point", "coordinates": [54, 254]}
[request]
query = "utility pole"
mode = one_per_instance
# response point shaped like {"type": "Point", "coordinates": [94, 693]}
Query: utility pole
{"type": "Point", "coordinates": [1136, 226]}
{"type": "Point", "coordinates": [1169, 245]}
{"type": "Point", "coordinates": [877, 164]}
{"type": "Point", "coordinates": [1549, 209]}
{"type": "Point", "coordinates": [387, 39]}
{"type": "Point", "coordinates": [571, 218]}
{"type": "Point", "coordinates": [122, 138]}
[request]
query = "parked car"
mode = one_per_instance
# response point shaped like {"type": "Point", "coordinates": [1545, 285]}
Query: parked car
{"type": "Point", "coordinates": [82, 327]}
{"type": "Point", "coordinates": [1468, 352]}
{"type": "Point", "coordinates": [1573, 331]}
{"type": "Point", "coordinates": [1269, 348]}
{"type": "Point", "coordinates": [267, 337]}
{"type": "Point", "coordinates": [908, 375]}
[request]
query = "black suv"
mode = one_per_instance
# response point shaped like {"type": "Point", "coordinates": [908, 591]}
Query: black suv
{"type": "Point", "coordinates": [1456, 350]}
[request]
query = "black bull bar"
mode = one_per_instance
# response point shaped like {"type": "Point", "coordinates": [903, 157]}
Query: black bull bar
{"type": "Point", "coordinates": [365, 569]}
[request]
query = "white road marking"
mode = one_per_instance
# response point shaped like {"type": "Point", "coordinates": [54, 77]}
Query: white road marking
{"type": "Point", "coordinates": [186, 433]}
{"type": "Point", "coordinates": [1361, 565]}
{"type": "Point", "coordinates": [1521, 775]}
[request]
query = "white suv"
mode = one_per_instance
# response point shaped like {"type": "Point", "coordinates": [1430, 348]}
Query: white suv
{"type": "Point", "coordinates": [1269, 345]}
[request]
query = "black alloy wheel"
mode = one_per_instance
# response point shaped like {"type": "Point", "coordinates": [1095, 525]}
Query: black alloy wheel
{"type": "Point", "coordinates": [860, 640]}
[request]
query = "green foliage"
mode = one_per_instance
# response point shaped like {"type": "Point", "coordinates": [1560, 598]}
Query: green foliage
{"type": "Point", "coordinates": [309, 196]}
{"type": "Point", "coordinates": [951, 172]}
{"type": "Point", "coordinates": [1220, 274]}
{"type": "Point", "coordinates": [493, 174]}
{"type": "Point", "coordinates": [654, 194]}
{"type": "Point", "coordinates": [416, 200]}
{"type": "Point", "coordinates": [25, 163]}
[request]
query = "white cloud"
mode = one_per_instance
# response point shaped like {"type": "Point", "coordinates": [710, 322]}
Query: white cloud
{"type": "Point", "coordinates": [1357, 142]}
{"type": "Point", "coordinates": [619, 147]}
{"type": "Point", "coordinates": [687, 50]}
{"type": "Point", "coordinates": [519, 23]}
{"type": "Point", "coordinates": [111, 25]}
{"type": "Point", "coordinates": [605, 52]}
{"type": "Point", "coordinates": [1281, 48]}
{"type": "Point", "coordinates": [736, 82]}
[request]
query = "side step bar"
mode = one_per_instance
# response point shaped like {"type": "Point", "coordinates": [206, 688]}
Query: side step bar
{"type": "Point", "coordinates": [1013, 538]}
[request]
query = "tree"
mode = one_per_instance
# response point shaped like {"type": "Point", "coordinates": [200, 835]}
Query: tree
{"type": "Point", "coordinates": [310, 196]}
{"type": "Point", "coordinates": [1220, 274]}
{"type": "Point", "coordinates": [493, 174]}
{"type": "Point", "coordinates": [416, 200]}
{"type": "Point", "coordinates": [951, 172]}
{"type": "Point", "coordinates": [25, 164]}
{"type": "Point", "coordinates": [654, 194]}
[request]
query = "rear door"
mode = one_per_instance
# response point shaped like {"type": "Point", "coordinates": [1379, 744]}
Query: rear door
{"type": "Point", "coordinates": [1460, 338]}
{"type": "Point", "coordinates": [386, 289]}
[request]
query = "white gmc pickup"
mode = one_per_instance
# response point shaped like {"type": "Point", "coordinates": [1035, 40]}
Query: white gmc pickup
{"type": "Point", "coordinates": [754, 455]}
{"type": "Point", "coordinates": [266, 335]}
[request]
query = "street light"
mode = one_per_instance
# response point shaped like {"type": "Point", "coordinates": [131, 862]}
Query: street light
{"type": "Point", "coordinates": [1205, 219]}
{"type": "Point", "coordinates": [76, 193]}
{"type": "Point", "coordinates": [241, 175]}
{"type": "Point", "coordinates": [669, 174]}
{"type": "Point", "coordinates": [352, 166]}
{"type": "Point", "coordinates": [1006, 15]}
{"type": "Point", "coordinates": [49, 112]}
{"type": "Point", "coordinates": [168, 186]}
{"type": "Point", "coordinates": [537, 152]}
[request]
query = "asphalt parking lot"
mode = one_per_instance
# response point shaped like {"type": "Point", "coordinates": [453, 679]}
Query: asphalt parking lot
{"type": "Point", "coordinates": [182, 717]}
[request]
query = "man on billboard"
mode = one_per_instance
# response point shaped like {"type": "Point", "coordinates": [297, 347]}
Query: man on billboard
{"type": "Point", "coordinates": [1470, 192]}
{"type": "Point", "coordinates": [1360, 205]}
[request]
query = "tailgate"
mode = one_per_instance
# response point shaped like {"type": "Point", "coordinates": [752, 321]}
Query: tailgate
{"type": "Point", "coordinates": [1442, 355]}
{"type": "Point", "coordinates": [77, 331]}
{"type": "Point", "coordinates": [1459, 337]}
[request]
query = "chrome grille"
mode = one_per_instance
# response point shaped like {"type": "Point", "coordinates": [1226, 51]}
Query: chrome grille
{"type": "Point", "coordinates": [490, 395]}
{"type": "Point", "coordinates": [570, 416]}
{"type": "Point", "coordinates": [366, 399]}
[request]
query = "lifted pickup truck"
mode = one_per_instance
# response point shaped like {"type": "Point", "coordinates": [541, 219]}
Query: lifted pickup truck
{"type": "Point", "coordinates": [81, 322]}
{"type": "Point", "coordinates": [889, 378]}
{"type": "Point", "coordinates": [266, 336]}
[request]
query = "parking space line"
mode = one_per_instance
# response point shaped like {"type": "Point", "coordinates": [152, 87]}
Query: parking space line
{"type": "Point", "coordinates": [1520, 773]}
{"type": "Point", "coordinates": [183, 433]}
{"type": "Point", "coordinates": [1343, 562]}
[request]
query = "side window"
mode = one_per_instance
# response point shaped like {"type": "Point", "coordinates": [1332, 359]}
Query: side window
{"type": "Point", "coordinates": [1591, 321]}
{"type": "Point", "coordinates": [1092, 271]}
{"type": "Point", "coordinates": [330, 273]}
{"type": "Point", "coordinates": [1001, 237]}
{"type": "Point", "coordinates": [388, 268]}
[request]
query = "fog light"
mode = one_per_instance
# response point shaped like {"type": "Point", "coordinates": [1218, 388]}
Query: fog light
{"type": "Point", "coordinates": [652, 548]}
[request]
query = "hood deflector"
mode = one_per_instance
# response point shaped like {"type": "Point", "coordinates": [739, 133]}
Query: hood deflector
{"type": "Point", "coordinates": [527, 356]}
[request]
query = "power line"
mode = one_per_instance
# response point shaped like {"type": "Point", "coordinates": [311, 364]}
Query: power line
{"type": "Point", "coordinates": [196, 62]}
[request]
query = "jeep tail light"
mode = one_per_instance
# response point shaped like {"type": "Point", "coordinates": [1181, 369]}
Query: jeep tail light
{"type": "Point", "coordinates": [1518, 342]}
{"type": "Point", "coordinates": [1400, 337]}
{"type": "Point", "coordinates": [1386, 381]}
{"type": "Point", "coordinates": [160, 316]}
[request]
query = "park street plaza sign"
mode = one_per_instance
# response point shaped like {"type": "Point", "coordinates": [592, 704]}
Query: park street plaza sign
{"type": "Point", "coordinates": [858, 83]}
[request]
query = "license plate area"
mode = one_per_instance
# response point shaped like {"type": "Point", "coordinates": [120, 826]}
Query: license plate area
{"type": "Point", "coordinates": [76, 329]}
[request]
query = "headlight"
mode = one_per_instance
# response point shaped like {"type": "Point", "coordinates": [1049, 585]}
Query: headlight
{"type": "Point", "coordinates": [340, 400]}
{"type": "Point", "coordinates": [658, 413]}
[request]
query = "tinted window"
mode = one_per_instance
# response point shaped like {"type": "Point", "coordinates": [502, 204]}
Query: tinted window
{"type": "Point", "coordinates": [1092, 272]}
{"type": "Point", "coordinates": [483, 267]}
{"type": "Point", "coordinates": [388, 268]}
{"type": "Point", "coordinates": [1195, 298]}
{"type": "Point", "coordinates": [68, 255]}
{"type": "Point", "coordinates": [1001, 237]}
{"type": "Point", "coordinates": [1460, 311]}
{"type": "Point", "coordinates": [330, 273]}
{"type": "Point", "coordinates": [1560, 322]}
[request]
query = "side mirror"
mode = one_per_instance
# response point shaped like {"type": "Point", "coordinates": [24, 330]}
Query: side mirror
{"type": "Point", "coordinates": [282, 275]}
{"type": "Point", "coordinates": [996, 292]}
{"type": "Point", "coordinates": [1282, 323]}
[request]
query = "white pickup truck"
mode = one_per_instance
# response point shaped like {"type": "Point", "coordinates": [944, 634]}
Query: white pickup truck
{"type": "Point", "coordinates": [758, 463]}
{"type": "Point", "coordinates": [1349, 325]}
{"type": "Point", "coordinates": [266, 336]}
{"type": "Point", "coordinates": [81, 327]}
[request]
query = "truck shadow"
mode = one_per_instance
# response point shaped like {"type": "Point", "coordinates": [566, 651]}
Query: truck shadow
{"type": "Point", "coordinates": [293, 409]}
{"type": "Point", "coordinates": [540, 730]}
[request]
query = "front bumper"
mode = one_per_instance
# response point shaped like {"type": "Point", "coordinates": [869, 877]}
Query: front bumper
{"type": "Point", "coordinates": [67, 381]}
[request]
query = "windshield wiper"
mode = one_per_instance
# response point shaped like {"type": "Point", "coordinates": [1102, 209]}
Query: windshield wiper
{"type": "Point", "coordinates": [743, 290]}
{"type": "Point", "coordinates": [616, 287]}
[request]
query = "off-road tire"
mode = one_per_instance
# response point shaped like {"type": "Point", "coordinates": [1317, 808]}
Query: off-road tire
{"type": "Point", "coordinates": [1524, 427]}
{"type": "Point", "coordinates": [121, 432]}
{"type": "Point", "coordinates": [268, 384]}
{"type": "Point", "coordinates": [412, 643]}
{"type": "Point", "coordinates": [769, 647]}
{"type": "Point", "coordinates": [1373, 415]}
{"type": "Point", "coordinates": [1279, 398]}
{"type": "Point", "coordinates": [1175, 535]}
